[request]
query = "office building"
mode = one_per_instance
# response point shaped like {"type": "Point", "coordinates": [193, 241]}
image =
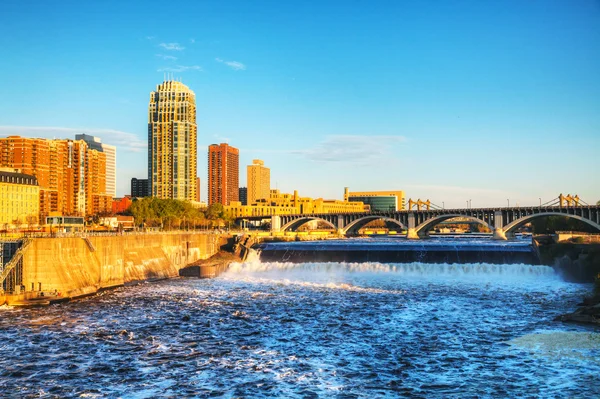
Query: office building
{"type": "Point", "coordinates": [172, 152]}
{"type": "Point", "coordinates": [243, 196]}
{"type": "Point", "coordinates": [259, 181]}
{"type": "Point", "coordinates": [140, 188]}
{"type": "Point", "coordinates": [292, 204]}
{"type": "Point", "coordinates": [223, 174]}
{"type": "Point", "coordinates": [19, 199]}
{"type": "Point", "coordinates": [377, 200]}
{"type": "Point", "coordinates": [95, 143]}
{"type": "Point", "coordinates": [70, 175]}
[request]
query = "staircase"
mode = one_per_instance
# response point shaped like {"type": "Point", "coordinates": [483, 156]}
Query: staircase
{"type": "Point", "coordinates": [18, 255]}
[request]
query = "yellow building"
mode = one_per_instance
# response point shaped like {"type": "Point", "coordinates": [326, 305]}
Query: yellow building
{"type": "Point", "coordinates": [259, 181]}
{"type": "Point", "coordinates": [172, 142]}
{"type": "Point", "coordinates": [378, 200]}
{"type": "Point", "coordinates": [292, 204]}
{"type": "Point", "coordinates": [19, 199]}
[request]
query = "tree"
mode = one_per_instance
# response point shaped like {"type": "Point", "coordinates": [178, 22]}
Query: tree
{"type": "Point", "coordinates": [598, 203]}
{"type": "Point", "coordinates": [214, 211]}
{"type": "Point", "coordinates": [31, 220]}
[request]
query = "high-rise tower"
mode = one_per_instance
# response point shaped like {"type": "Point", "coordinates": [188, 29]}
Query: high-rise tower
{"type": "Point", "coordinates": [95, 143]}
{"type": "Point", "coordinates": [259, 181]}
{"type": "Point", "coordinates": [223, 174]}
{"type": "Point", "coordinates": [172, 152]}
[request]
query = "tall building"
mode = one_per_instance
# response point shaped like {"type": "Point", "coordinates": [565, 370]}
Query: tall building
{"type": "Point", "coordinates": [223, 174]}
{"type": "Point", "coordinates": [95, 143]}
{"type": "Point", "coordinates": [377, 200]}
{"type": "Point", "coordinates": [259, 181]}
{"type": "Point", "coordinates": [140, 188]}
{"type": "Point", "coordinates": [198, 197]}
{"type": "Point", "coordinates": [172, 152]}
{"type": "Point", "coordinates": [243, 195]}
{"type": "Point", "coordinates": [70, 175]}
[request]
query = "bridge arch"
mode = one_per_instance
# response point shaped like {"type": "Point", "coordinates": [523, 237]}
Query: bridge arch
{"type": "Point", "coordinates": [296, 223]}
{"type": "Point", "coordinates": [515, 224]}
{"type": "Point", "coordinates": [357, 224]}
{"type": "Point", "coordinates": [429, 223]}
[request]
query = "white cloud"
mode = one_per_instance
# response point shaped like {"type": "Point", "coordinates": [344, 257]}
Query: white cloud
{"type": "Point", "coordinates": [181, 68]}
{"type": "Point", "coordinates": [125, 141]}
{"type": "Point", "coordinates": [235, 65]}
{"type": "Point", "coordinates": [221, 139]}
{"type": "Point", "coordinates": [172, 46]}
{"type": "Point", "coordinates": [192, 41]}
{"type": "Point", "coordinates": [351, 148]}
{"type": "Point", "coordinates": [150, 37]}
{"type": "Point", "coordinates": [166, 57]}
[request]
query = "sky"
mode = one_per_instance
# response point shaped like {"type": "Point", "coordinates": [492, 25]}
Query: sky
{"type": "Point", "coordinates": [493, 102]}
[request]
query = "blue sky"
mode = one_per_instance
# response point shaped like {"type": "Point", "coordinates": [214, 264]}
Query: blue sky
{"type": "Point", "coordinates": [449, 101]}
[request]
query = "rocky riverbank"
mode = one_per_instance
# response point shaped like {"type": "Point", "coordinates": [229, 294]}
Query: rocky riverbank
{"type": "Point", "coordinates": [588, 311]}
{"type": "Point", "coordinates": [575, 262]}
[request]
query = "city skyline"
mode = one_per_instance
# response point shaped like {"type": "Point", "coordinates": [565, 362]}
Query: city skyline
{"type": "Point", "coordinates": [447, 102]}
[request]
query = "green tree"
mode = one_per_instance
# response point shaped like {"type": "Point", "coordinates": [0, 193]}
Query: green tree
{"type": "Point", "coordinates": [215, 211]}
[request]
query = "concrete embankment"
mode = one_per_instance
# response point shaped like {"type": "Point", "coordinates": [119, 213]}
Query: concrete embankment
{"type": "Point", "coordinates": [75, 266]}
{"type": "Point", "coordinates": [235, 250]}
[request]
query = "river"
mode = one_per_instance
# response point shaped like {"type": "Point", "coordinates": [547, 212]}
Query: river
{"type": "Point", "coordinates": [311, 330]}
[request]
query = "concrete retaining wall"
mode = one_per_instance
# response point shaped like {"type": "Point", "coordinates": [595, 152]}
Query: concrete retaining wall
{"type": "Point", "coordinates": [75, 266]}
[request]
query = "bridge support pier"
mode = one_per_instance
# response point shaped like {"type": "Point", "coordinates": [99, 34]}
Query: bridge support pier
{"type": "Point", "coordinates": [499, 234]}
{"type": "Point", "coordinates": [412, 234]}
{"type": "Point", "coordinates": [275, 223]}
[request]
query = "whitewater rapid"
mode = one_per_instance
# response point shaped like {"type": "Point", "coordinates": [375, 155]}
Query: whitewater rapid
{"type": "Point", "coordinates": [311, 330]}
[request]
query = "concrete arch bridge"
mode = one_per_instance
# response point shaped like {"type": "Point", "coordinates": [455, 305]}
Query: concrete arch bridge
{"type": "Point", "coordinates": [503, 222]}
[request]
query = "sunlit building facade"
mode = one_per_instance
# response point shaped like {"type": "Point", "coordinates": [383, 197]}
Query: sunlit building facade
{"type": "Point", "coordinates": [292, 204]}
{"type": "Point", "coordinates": [110, 151]}
{"type": "Point", "coordinates": [259, 181]}
{"type": "Point", "coordinates": [19, 199]}
{"type": "Point", "coordinates": [223, 174]}
{"type": "Point", "coordinates": [71, 177]}
{"type": "Point", "coordinates": [172, 142]}
{"type": "Point", "coordinates": [378, 200]}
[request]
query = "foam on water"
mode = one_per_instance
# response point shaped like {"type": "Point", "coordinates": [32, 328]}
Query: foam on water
{"type": "Point", "coordinates": [299, 330]}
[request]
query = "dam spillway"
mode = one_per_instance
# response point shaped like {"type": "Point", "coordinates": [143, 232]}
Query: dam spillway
{"type": "Point", "coordinates": [446, 250]}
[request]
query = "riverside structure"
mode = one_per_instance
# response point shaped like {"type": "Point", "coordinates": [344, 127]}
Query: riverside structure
{"type": "Point", "coordinates": [503, 222]}
{"type": "Point", "coordinates": [78, 265]}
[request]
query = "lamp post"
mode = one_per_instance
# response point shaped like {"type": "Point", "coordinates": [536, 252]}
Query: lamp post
{"type": "Point", "coordinates": [443, 207]}
{"type": "Point", "coordinates": [470, 207]}
{"type": "Point", "coordinates": [540, 202]}
{"type": "Point", "coordinates": [467, 204]}
{"type": "Point", "coordinates": [507, 203]}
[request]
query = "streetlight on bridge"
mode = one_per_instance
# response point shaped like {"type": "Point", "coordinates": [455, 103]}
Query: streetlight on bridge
{"type": "Point", "coordinates": [507, 203]}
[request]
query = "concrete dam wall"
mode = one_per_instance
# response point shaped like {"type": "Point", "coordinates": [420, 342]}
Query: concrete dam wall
{"type": "Point", "coordinates": [76, 266]}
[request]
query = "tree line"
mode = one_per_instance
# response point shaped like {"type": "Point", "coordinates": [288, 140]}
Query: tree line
{"type": "Point", "coordinates": [176, 214]}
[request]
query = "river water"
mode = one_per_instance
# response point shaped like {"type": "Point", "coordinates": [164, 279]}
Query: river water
{"type": "Point", "coordinates": [311, 330]}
